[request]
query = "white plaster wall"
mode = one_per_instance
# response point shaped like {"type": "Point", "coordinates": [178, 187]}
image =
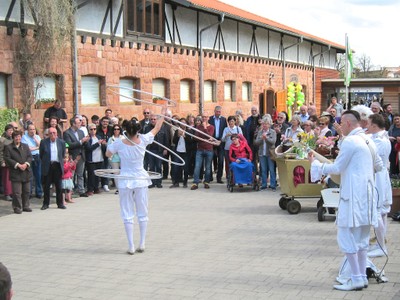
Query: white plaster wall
{"type": "Point", "coordinates": [245, 34]}
{"type": "Point", "coordinates": [90, 17]}
{"type": "Point", "coordinates": [15, 15]}
{"type": "Point", "coordinates": [262, 41]}
{"type": "Point", "coordinates": [187, 26]}
{"type": "Point", "coordinates": [208, 36]}
{"type": "Point", "coordinates": [229, 30]}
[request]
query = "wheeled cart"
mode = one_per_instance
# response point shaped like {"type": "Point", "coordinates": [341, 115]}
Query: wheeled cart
{"type": "Point", "coordinates": [295, 183]}
{"type": "Point", "coordinates": [328, 204]}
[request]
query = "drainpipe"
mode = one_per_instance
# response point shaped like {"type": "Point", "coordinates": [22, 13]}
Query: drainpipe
{"type": "Point", "coordinates": [284, 61]}
{"type": "Point", "coordinates": [74, 53]}
{"type": "Point", "coordinates": [201, 75]}
{"type": "Point", "coordinates": [313, 60]}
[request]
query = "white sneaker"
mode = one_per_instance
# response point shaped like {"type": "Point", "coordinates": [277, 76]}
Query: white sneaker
{"type": "Point", "coordinates": [105, 188]}
{"type": "Point", "coordinates": [376, 253]}
{"type": "Point", "coordinates": [350, 285]}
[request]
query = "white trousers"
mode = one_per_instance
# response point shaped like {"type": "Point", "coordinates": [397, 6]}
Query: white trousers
{"type": "Point", "coordinates": [352, 240]}
{"type": "Point", "coordinates": [131, 201]}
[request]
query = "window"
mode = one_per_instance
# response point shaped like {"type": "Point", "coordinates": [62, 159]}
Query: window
{"type": "Point", "coordinates": [246, 91]}
{"type": "Point", "coordinates": [159, 88]}
{"type": "Point", "coordinates": [229, 91]}
{"type": "Point", "coordinates": [127, 95]}
{"type": "Point", "coordinates": [187, 91]}
{"type": "Point", "coordinates": [90, 93]}
{"type": "Point", "coordinates": [3, 90]}
{"type": "Point", "coordinates": [209, 91]}
{"type": "Point", "coordinates": [145, 17]}
{"type": "Point", "coordinates": [44, 88]}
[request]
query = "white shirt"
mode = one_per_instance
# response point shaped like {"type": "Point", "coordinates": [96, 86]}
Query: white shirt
{"type": "Point", "coordinates": [53, 151]}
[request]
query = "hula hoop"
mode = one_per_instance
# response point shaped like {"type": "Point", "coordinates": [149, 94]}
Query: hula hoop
{"type": "Point", "coordinates": [110, 87]}
{"type": "Point", "coordinates": [115, 173]}
{"type": "Point", "coordinates": [181, 164]}
{"type": "Point", "coordinates": [211, 140]}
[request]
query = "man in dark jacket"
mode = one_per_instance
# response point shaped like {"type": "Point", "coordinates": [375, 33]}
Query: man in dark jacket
{"type": "Point", "coordinates": [219, 123]}
{"type": "Point", "coordinates": [155, 162]}
{"type": "Point", "coordinates": [52, 152]}
{"type": "Point", "coordinates": [18, 158]}
{"type": "Point", "coordinates": [75, 138]}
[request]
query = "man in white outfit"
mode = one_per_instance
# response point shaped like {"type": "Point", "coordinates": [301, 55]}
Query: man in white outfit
{"type": "Point", "coordinates": [376, 127]}
{"type": "Point", "coordinates": [355, 163]}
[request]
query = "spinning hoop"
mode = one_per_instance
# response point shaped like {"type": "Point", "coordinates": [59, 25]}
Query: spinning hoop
{"type": "Point", "coordinates": [111, 87]}
{"type": "Point", "coordinates": [211, 140]}
{"type": "Point", "coordinates": [115, 173]}
{"type": "Point", "coordinates": [181, 164]}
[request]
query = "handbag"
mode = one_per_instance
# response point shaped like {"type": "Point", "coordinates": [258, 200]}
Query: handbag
{"type": "Point", "coordinates": [272, 153]}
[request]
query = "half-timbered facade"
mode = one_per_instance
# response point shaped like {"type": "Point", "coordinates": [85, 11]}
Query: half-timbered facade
{"type": "Point", "coordinates": [199, 53]}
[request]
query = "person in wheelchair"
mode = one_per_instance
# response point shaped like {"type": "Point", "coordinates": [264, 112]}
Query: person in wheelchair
{"type": "Point", "coordinates": [240, 156]}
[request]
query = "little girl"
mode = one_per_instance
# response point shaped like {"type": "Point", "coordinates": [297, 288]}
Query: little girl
{"type": "Point", "coordinates": [67, 184]}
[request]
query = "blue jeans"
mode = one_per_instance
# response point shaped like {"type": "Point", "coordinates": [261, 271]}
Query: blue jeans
{"type": "Point", "coordinates": [207, 157]}
{"type": "Point", "coordinates": [267, 166]}
{"type": "Point", "coordinates": [36, 180]}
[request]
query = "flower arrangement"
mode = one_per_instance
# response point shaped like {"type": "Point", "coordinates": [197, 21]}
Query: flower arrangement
{"type": "Point", "coordinates": [308, 139]}
{"type": "Point", "coordinates": [327, 142]}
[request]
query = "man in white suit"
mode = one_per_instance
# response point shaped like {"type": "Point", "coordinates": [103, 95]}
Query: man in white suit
{"type": "Point", "coordinates": [356, 163]}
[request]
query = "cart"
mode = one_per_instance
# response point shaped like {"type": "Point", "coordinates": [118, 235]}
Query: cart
{"type": "Point", "coordinates": [292, 190]}
{"type": "Point", "coordinates": [328, 204]}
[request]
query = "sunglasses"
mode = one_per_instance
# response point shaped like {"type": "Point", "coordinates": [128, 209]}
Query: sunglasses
{"type": "Point", "coordinates": [92, 129]}
{"type": "Point", "coordinates": [117, 129]}
{"type": "Point", "coordinates": [146, 113]}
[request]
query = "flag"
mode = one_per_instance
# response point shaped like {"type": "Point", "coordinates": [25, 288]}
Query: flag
{"type": "Point", "coordinates": [349, 63]}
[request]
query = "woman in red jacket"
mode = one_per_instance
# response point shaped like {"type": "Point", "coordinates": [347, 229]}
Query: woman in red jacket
{"type": "Point", "coordinates": [241, 156]}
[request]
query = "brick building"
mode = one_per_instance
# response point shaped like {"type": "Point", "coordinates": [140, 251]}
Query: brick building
{"type": "Point", "coordinates": [155, 46]}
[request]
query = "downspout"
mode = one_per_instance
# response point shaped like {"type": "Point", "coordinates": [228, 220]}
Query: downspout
{"type": "Point", "coordinates": [284, 61]}
{"type": "Point", "coordinates": [74, 54]}
{"type": "Point", "coordinates": [201, 73]}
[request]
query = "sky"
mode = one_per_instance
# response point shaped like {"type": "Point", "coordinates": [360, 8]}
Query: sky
{"type": "Point", "coordinates": [371, 25]}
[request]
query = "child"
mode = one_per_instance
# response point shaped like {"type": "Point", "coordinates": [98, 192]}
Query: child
{"type": "Point", "coordinates": [67, 184]}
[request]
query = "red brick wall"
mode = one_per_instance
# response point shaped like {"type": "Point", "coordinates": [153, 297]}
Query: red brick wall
{"type": "Point", "coordinates": [112, 63]}
{"type": "Point", "coordinates": [320, 74]}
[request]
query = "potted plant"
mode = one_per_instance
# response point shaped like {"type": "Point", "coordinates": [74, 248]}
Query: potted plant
{"type": "Point", "coordinates": [45, 102]}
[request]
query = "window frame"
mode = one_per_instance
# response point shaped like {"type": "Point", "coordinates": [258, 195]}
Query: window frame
{"type": "Point", "coordinates": [142, 32]}
{"type": "Point", "coordinates": [50, 92]}
{"type": "Point", "coordinates": [230, 85]}
{"type": "Point", "coordinates": [212, 84]}
{"type": "Point", "coordinates": [249, 91]}
{"type": "Point", "coordinates": [135, 85]}
{"type": "Point", "coordinates": [99, 82]}
{"type": "Point", "coordinates": [5, 81]}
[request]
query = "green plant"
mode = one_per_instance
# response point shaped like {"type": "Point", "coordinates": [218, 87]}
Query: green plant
{"type": "Point", "coordinates": [7, 116]}
{"type": "Point", "coordinates": [46, 100]}
{"type": "Point", "coordinates": [395, 183]}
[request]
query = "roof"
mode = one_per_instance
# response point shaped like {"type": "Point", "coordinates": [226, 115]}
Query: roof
{"type": "Point", "coordinates": [237, 13]}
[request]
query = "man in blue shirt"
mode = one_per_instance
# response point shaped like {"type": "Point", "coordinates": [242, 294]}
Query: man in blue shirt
{"type": "Point", "coordinates": [33, 141]}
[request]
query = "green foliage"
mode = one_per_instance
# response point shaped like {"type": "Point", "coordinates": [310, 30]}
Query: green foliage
{"type": "Point", "coordinates": [7, 116]}
{"type": "Point", "coordinates": [395, 183]}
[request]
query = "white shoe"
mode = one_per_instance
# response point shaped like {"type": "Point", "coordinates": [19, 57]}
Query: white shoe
{"type": "Point", "coordinates": [373, 247]}
{"type": "Point", "coordinates": [105, 188]}
{"type": "Point", "coordinates": [350, 285]}
{"type": "Point", "coordinates": [376, 253]}
{"type": "Point", "coordinates": [131, 251]}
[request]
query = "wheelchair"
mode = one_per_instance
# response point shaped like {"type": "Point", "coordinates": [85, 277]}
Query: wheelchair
{"type": "Point", "coordinates": [251, 179]}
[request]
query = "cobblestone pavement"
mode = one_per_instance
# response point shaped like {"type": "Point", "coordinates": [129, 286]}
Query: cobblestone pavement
{"type": "Point", "coordinates": [203, 244]}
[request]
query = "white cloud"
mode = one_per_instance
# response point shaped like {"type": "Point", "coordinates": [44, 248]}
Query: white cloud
{"type": "Point", "coordinates": [368, 23]}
